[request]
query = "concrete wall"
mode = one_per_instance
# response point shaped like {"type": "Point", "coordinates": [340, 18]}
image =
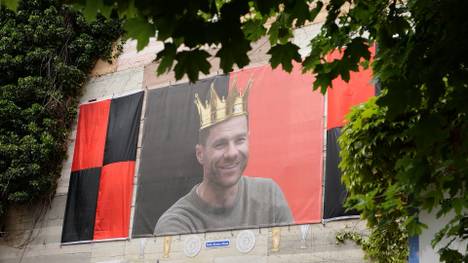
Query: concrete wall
{"type": "Point", "coordinates": [427, 254]}
{"type": "Point", "coordinates": [33, 233]}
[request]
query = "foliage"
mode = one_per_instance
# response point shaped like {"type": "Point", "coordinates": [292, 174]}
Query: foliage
{"type": "Point", "coordinates": [380, 245]}
{"type": "Point", "coordinates": [228, 26]}
{"type": "Point", "coordinates": [421, 65]}
{"type": "Point", "coordinates": [46, 49]}
{"type": "Point", "coordinates": [390, 178]}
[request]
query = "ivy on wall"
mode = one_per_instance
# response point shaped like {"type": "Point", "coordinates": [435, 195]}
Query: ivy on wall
{"type": "Point", "coordinates": [389, 177]}
{"type": "Point", "coordinates": [46, 51]}
{"type": "Point", "coordinates": [386, 244]}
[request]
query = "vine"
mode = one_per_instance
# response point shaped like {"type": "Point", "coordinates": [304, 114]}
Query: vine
{"type": "Point", "coordinates": [46, 51]}
{"type": "Point", "coordinates": [390, 179]}
{"type": "Point", "coordinates": [377, 246]}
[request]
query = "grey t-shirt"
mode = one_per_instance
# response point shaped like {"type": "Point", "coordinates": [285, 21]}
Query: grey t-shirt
{"type": "Point", "coordinates": [259, 203]}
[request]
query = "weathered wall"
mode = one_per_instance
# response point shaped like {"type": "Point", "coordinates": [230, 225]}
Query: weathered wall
{"type": "Point", "coordinates": [33, 233]}
{"type": "Point", "coordinates": [427, 254]}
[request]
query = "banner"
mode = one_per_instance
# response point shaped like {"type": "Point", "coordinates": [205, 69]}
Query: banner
{"type": "Point", "coordinates": [230, 152]}
{"type": "Point", "coordinates": [101, 180]}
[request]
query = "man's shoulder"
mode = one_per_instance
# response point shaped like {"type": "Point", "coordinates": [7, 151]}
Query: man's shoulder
{"type": "Point", "coordinates": [261, 188]}
{"type": "Point", "coordinates": [261, 182]}
{"type": "Point", "coordinates": [267, 194]}
{"type": "Point", "coordinates": [175, 220]}
{"type": "Point", "coordinates": [178, 207]}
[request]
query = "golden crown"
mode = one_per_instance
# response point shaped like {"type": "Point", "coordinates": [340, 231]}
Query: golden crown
{"type": "Point", "coordinates": [219, 109]}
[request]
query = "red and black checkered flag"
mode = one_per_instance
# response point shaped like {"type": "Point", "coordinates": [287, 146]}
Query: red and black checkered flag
{"type": "Point", "coordinates": [101, 181]}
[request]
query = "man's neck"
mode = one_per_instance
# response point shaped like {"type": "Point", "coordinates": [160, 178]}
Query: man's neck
{"type": "Point", "coordinates": [218, 197]}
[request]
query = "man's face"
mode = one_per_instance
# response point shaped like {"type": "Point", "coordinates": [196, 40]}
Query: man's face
{"type": "Point", "coordinates": [225, 153]}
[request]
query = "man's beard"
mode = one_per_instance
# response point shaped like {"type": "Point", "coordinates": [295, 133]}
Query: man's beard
{"type": "Point", "coordinates": [218, 179]}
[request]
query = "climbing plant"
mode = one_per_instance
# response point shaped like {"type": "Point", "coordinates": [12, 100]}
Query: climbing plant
{"type": "Point", "coordinates": [46, 51]}
{"type": "Point", "coordinates": [385, 243]}
{"type": "Point", "coordinates": [394, 169]}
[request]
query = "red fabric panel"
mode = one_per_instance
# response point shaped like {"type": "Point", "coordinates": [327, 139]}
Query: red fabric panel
{"type": "Point", "coordinates": [114, 200]}
{"type": "Point", "coordinates": [344, 95]}
{"type": "Point", "coordinates": [91, 135]}
{"type": "Point", "coordinates": [286, 136]}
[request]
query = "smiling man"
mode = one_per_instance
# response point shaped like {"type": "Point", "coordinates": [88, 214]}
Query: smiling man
{"type": "Point", "coordinates": [225, 199]}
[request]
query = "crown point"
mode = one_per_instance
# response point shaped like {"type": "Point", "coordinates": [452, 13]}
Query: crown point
{"type": "Point", "coordinates": [216, 110]}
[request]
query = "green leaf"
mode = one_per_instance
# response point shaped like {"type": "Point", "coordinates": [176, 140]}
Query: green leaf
{"type": "Point", "coordinates": [451, 256]}
{"type": "Point", "coordinates": [266, 7]}
{"type": "Point", "coordinates": [273, 32]}
{"type": "Point", "coordinates": [93, 7]}
{"type": "Point", "coordinates": [284, 55]}
{"type": "Point", "coordinates": [10, 4]}
{"type": "Point", "coordinates": [280, 31]}
{"type": "Point", "coordinates": [165, 27]}
{"type": "Point", "coordinates": [357, 49]}
{"type": "Point", "coordinates": [300, 11]}
{"type": "Point", "coordinates": [128, 9]}
{"type": "Point", "coordinates": [233, 53]}
{"type": "Point", "coordinates": [253, 29]}
{"type": "Point", "coordinates": [140, 29]}
{"type": "Point", "coordinates": [457, 205]}
{"type": "Point", "coordinates": [191, 63]}
{"type": "Point", "coordinates": [413, 226]}
{"type": "Point", "coordinates": [322, 81]}
{"type": "Point", "coordinates": [166, 58]}
{"type": "Point", "coordinates": [368, 112]}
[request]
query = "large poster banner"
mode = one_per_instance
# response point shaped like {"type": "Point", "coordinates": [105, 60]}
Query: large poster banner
{"type": "Point", "coordinates": [236, 151]}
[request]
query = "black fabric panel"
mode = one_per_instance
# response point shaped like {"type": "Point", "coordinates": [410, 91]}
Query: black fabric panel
{"type": "Point", "coordinates": [335, 192]}
{"type": "Point", "coordinates": [123, 127]}
{"type": "Point", "coordinates": [80, 211]}
{"type": "Point", "coordinates": [168, 167]}
{"type": "Point", "coordinates": [159, 197]}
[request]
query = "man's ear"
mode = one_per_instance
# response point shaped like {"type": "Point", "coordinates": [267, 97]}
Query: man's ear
{"type": "Point", "coordinates": [199, 152]}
